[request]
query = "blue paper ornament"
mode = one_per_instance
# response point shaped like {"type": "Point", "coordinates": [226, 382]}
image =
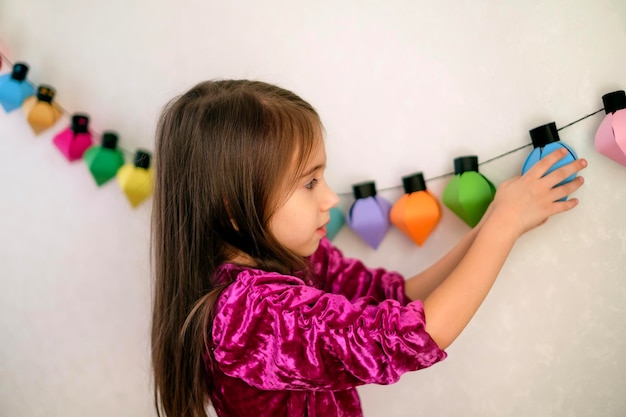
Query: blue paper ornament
{"type": "Point", "coordinates": [545, 139]}
{"type": "Point", "coordinates": [369, 214]}
{"type": "Point", "coordinates": [14, 88]}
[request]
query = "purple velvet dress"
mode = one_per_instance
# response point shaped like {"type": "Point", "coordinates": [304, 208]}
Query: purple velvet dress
{"type": "Point", "coordinates": [283, 346]}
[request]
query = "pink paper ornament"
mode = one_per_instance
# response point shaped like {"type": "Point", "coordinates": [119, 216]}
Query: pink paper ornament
{"type": "Point", "coordinates": [5, 53]}
{"type": "Point", "coordinates": [610, 138]}
{"type": "Point", "coordinates": [76, 139]}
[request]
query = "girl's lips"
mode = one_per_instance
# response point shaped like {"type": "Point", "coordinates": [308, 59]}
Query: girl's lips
{"type": "Point", "coordinates": [322, 230]}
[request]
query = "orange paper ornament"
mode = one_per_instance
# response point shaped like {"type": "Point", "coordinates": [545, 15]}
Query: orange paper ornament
{"type": "Point", "coordinates": [417, 212]}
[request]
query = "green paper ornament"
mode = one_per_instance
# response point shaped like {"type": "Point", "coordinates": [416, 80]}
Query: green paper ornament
{"type": "Point", "coordinates": [469, 193]}
{"type": "Point", "coordinates": [104, 161]}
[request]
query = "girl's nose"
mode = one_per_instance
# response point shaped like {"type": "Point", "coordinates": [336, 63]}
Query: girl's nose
{"type": "Point", "coordinates": [330, 199]}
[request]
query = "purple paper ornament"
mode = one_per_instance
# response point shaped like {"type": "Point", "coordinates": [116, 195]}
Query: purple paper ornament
{"type": "Point", "coordinates": [369, 214]}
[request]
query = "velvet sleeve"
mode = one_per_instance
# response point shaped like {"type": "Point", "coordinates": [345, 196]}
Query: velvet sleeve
{"type": "Point", "coordinates": [275, 332]}
{"type": "Point", "coordinates": [350, 277]}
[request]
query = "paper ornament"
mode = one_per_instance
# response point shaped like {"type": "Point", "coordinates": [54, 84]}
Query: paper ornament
{"type": "Point", "coordinates": [76, 139]}
{"type": "Point", "coordinates": [104, 160]}
{"type": "Point", "coordinates": [42, 112]}
{"type": "Point", "coordinates": [469, 193]}
{"type": "Point", "coordinates": [337, 221]}
{"type": "Point", "coordinates": [545, 140]}
{"type": "Point", "coordinates": [4, 52]}
{"type": "Point", "coordinates": [136, 179]}
{"type": "Point", "coordinates": [417, 212]}
{"type": "Point", "coordinates": [369, 214]}
{"type": "Point", "coordinates": [14, 88]}
{"type": "Point", "coordinates": [610, 138]}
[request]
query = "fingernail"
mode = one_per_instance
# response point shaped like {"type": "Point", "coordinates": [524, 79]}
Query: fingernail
{"type": "Point", "coordinates": [584, 162]}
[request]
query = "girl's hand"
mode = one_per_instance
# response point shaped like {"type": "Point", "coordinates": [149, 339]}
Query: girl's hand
{"type": "Point", "coordinates": [525, 202]}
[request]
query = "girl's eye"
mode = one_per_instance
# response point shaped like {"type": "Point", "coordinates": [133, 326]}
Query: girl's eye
{"type": "Point", "coordinates": [311, 184]}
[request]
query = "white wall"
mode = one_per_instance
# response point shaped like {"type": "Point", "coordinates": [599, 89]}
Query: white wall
{"type": "Point", "coordinates": [402, 86]}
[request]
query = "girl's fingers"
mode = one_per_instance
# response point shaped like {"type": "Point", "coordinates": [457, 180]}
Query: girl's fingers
{"type": "Point", "coordinates": [540, 168]}
{"type": "Point", "coordinates": [566, 189]}
{"type": "Point", "coordinates": [561, 206]}
{"type": "Point", "coordinates": [566, 171]}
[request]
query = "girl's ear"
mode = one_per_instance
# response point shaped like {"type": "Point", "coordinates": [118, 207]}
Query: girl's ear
{"type": "Point", "coordinates": [230, 215]}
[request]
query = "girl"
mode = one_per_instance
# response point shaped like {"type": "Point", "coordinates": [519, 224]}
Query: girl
{"type": "Point", "coordinates": [254, 310]}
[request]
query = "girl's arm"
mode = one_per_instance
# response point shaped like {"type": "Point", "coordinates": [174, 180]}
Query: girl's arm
{"type": "Point", "coordinates": [419, 286]}
{"type": "Point", "coordinates": [520, 205]}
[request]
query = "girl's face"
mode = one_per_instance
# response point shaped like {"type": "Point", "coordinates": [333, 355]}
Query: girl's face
{"type": "Point", "coordinates": [299, 223]}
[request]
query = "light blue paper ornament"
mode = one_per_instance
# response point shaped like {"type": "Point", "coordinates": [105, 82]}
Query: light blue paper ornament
{"type": "Point", "coordinates": [369, 214]}
{"type": "Point", "coordinates": [14, 88]}
{"type": "Point", "coordinates": [545, 139]}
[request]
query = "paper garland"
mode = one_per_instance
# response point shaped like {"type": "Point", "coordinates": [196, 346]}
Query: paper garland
{"type": "Point", "coordinates": [416, 213]}
{"type": "Point", "coordinates": [104, 161]}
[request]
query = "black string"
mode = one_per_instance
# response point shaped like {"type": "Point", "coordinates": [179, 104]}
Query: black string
{"type": "Point", "coordinates": [447, 174]}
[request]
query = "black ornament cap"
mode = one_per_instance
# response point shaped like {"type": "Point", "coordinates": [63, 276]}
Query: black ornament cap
{"type": "Point", "coordinates": [45, 93]}
{"type": "Point", "coordinates": [465, 164]}
{"type": "Point", "coordinates": [364, 189]}
{"type": "Point", "coordinates": [142, 159]}
{"type": "Point", "coordinates": [109, 140]}
{"type": "Point", "coordinates": [20, 69]}
{"type": "Point", "coordinates": [614, 101]}
{"type": "Point", "coordinates": [414, 183]}
{"type": "Point", "coordinates": [80, 123]}
{"type": "Point", "coordinates": [544, 134]}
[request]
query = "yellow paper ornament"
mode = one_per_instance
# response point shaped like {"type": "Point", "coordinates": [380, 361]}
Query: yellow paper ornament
{"type": "Point", "coordinates": [136, 179]}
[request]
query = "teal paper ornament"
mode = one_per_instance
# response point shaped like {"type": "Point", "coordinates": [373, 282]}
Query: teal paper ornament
{"type": "Point", "coordinates": [337, 221]}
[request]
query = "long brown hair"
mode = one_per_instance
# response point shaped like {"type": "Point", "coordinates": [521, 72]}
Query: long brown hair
{"type": "Point", "coordinates": [223, 150]}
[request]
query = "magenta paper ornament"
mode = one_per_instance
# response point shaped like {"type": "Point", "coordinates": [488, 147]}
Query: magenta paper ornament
{"type": "Point", "coordinates": [76, 139]}
{"type": "Point", "coordinates": [369, 214]}
{"type": "Point", "coordinates": [610, 138]}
